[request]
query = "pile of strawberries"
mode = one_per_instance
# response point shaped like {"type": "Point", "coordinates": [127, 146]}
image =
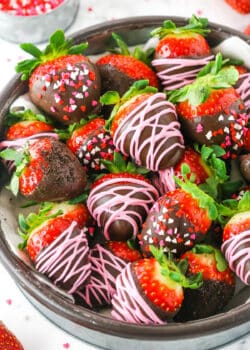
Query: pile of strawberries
{"type": "Point", "coordinates": [127, 173]}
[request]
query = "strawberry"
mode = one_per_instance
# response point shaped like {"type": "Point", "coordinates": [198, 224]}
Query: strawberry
{"type": "Point", "coordinates": [45, 170]}
{"type": "Point", "coordinates": [107, 262]}
{"type": "Point", "coordinates": [8, 340]}
{"type": "Point", "coordinates": [235, 215]}
{"type": "Point", "coordinates": [247, 30]}
{"type": "Point", "coordinates": [181, 52]}
{"type": "Point", "coordinates": [144, 126]}
{"type": "Point", "coordinates": [217, 288]}
{"type": "Point", "coordinates": [155, 290]}
{"type": "Point", "coordinates": [120, 201]}
{"type": "Point", "coordinates": [121, 69]}
{"type": "Point", "coordinates": [241, 6]}
{"type": "Point", "coordinates": [25, 124]}
{"type": "Point", "coordinates": [62, 82]}
{"type": "Point", "coordinates": [246, 146]}
{"type": "Point", "coordinates": [210, 109]}
{"type": "Point", "coordinates": [91, 143]}
{"type": "Point", "coordinates": [179, 219]}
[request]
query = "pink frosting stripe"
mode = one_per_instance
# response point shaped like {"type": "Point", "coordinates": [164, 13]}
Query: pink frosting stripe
{"type": "Point", "coordinates": [102, 282]}
{"type": "Point", "coordinates": [136, 123]}
{"type": "Point", "coordinates": [238, 247]}
{"type": "Point", "coordinates": [22, 141]}
{"type": "Point", "coordinates": [243, 89]}
{"type": "Point", "coordinates": [69, 253]}
{"type": "Point", "coordinates": [128, 303]}
{"type": "Point", "coordinates": [115, 198]}
{"type": "Point", "coordinates": [174, 80]}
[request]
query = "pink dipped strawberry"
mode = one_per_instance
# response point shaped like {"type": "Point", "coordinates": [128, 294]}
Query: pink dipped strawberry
{"type": "Point", "coordinates": [119, 201]}
{"type": "Point", "coordinates": [55, 240]}
{"type": "Point", "coordinates": [119, 70]}
{"type": "Point", "coordinates": [62, 82]}
{"type": "Point", "coordinates": [107, 262]}
{"type": "Point", "coordinates": [181, 52]}
{"type": "Point", "coordinates": [150, 290]}
{"type": "Point", "coordinates": [210, 110]}
{"type": "Point", "coordinates": [217, 288]}
{"type": "Point", "coordinates": [91, 143]}
{"type": "Point", "coordinates": [46, 170]}
{"type": "Point", "coordinates": [144, 126]}
{"type": "Point", "coordinates": [236, 237]}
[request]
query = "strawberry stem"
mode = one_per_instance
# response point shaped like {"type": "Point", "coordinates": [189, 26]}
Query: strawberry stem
{"type": "Point", "coordinates": [221, 263]}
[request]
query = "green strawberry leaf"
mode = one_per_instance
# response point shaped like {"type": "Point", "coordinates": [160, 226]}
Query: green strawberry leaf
{"type": "Point", "coordinates": [122, 45]}
{"type": "Point", "coordinates": [79, 199]}
{"type": "Point", "coordinates": [110, 98]}
{"type": "Point", "coordinates": [221, 263]}
{"type": "Point", "coordinates": [32, 50]}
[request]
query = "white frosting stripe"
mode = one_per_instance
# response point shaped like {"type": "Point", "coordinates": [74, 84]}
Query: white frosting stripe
{"type": "Point", "coordinates": [128, 303]}
{"type": "Point", "coordinates": [148, 115]}
{"type": "Point", "coordinates": [169, 75]}
{"type": "Point", "coordinates": [123, 192]}
{"type": "Point", "coordinates": [237, 254]}
{"type": "Point", "coordinates": [69, 253]}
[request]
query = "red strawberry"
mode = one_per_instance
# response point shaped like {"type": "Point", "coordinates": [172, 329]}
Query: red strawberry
{"type": "Point", "coordinates": [144, 126]}
{"type": "Point", "coordinates": [247, 140]}
{"type": "Point", "coordinates": [8, 340]}
{"type": "Point", "coordinates": [40, 230]}
{"type": "Point", "coordinates": [119, 202]}
{"type": "Point", "coordinates": [217, 288]}
{"type": "Point", "coordinates": [210, 109]}
{"type": "Point", "coordinates": [236, 237]}
{"type": "Point", "coordinates": [155, 290]}
{"type": "Point", "coordinates": [107, 262]}
{"type": "Point", "coordinates": [181, 52]}
{"type": "Point", "coordinates": [46, 171]}
{"type": "Point", "coordinates": [247, 30]}
{"type": "Point", "coordinates": [241, 6]}
{"type": "Point", "coordinates": [91, 143]}
{"type": "Point", "coordinates": [178, 220]}
{"type": "Point", "coordinates": [120, 70]}
{"type": "Point", "coordinates": [62, 82]}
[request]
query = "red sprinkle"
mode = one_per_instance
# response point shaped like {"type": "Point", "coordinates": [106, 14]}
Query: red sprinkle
{"type": "Point", "coordinates": [28, 7]}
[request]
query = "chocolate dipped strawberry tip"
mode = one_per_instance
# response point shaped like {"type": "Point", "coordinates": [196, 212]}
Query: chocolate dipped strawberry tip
{"type": "Point", "coordinates": [58, 46]}
{"type": "Point", "coordinates": [195, 25]}
{"type": "Point", "coordinates": [205, 201]}
{"type": "Point", "coordinates": [213, 77]}
{"type": "Point", "coordinates": [176, 271]}
{"type": "Point", "coordinates": [113, 98]}
{"type": "Point", "coordinates": [221, 263]}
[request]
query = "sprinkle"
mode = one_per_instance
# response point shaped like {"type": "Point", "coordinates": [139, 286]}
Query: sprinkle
{"type": "Point", "coordinates": [94, 103]}
{"type": "Point", "coordinates": [199, 128]}
{"type": "Point", "coordinates": [52, 108]}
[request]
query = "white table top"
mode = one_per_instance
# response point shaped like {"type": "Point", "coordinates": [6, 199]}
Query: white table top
{"type": "Point", "coordinates": [32, 328]}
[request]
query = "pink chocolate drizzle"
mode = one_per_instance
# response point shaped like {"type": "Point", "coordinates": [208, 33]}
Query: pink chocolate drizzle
{"type": "Point", "coordinates": [114, 198]}
{"type": "Point", "coordinates": [102, 282]}
{"type": "Point", "coordinates": [136, 123]}
{"type": "Point", "coordinates": [172, 78]}
{"type": "Point", "coordinates": [237, 254]}
{"type": "Point", "coordinates": [128, 303]}
{"type": "Point", "coordinates": [243, 89]}
{"type": "Point", "coordinates": [69, 253]}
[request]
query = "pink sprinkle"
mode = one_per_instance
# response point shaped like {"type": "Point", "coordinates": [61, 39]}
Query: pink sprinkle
{"type": "Point", "coordinates": [91, 231]}
{"type": "Point", "coordinates": [199, 12]}
{"type": "Point", "coordinates": [94, 103]}
{"type": "Point", "coordinates": [66, 345]}
{"type": "Point", "coordinates": [90, 9]}
{"type": "Point", "coordinates": [72, 101]}
{"type": "Point", "coordinates": [86, 94]}
{"type": "Point", "coordinates": [193, 236]}
{"type": "Point", "coordinates": [94, 140]}
{"type": "Point", "coordinates": [9, 301]}
{"type": "Point", "coordinates": [89, 82]}
{"type": "Point", "coordinates": [199, 128]}
{"type": "Point", "coordinates": [162, 243]}
{"type": "Point", "coordinates": [52, 109]}
{"type": "Point", "coordinates": [170, 231]}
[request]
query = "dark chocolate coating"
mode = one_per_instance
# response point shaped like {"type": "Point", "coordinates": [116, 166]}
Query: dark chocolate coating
{"type": "Point", "coordinates": [63, 176]}
{"type": "Point", "coordinates": [245, 166]}
{"type": "Point", "coordinates": [79, 97]}
{"type": "Point", "coordinates": [206, 301]}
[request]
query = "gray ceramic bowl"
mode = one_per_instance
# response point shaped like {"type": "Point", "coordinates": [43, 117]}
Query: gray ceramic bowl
{"type": "Point", "coordinates": [37, 29]}
{"type": "Point", "coordinates": [91, 326]}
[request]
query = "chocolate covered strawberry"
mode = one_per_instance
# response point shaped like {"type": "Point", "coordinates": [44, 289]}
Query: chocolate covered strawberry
{"type": "Point", "coordinates": [181, 52]}
{"type": "Point", "coordinates": [241, 6]}
{"type": "Point", "coordinates": [179, 219]}
{"type": "Point", "coordinates": [62, 82]}
{"type": "Point", "coordinates": [25, 124]}
{"type": "Point", "coordinates": [144, 126]}
{"type": "Point", "coordinates": [120, 201]}
{"type": "Point", "coordinates": [150, 291]}
{"type": "Point", "coordinates": [91, 143]}
{"type": "Point", "coordinates": [55, 240]}
{"type": "Point", "coordinates": [210, 110]}
{"type": "Point", "coordinates": [236, 237]}
{"type": "Point", "coordinates": [121, 69]}
{"type": "Point", "coordinates": [107, 262]}
{"type": "Point", "coordinates": [217, 288]}
{"type": "Point", "coordinates": [8, 340]}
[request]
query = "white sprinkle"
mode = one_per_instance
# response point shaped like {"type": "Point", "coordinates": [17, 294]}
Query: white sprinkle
{"type": "Point", "coordinates": [170, 220]}
{"type": "Point", "coordinates": [226, 130]}
{"type": "Point", "coordinates": [221, 117]}
{"type": "Point", "coordinates": [187, 242]}
{"type": "Point", "coordinates": [209, 135]}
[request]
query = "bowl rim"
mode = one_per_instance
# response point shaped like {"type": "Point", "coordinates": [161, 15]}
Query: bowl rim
{"type": "Point", "coordinates": [26, 277]}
